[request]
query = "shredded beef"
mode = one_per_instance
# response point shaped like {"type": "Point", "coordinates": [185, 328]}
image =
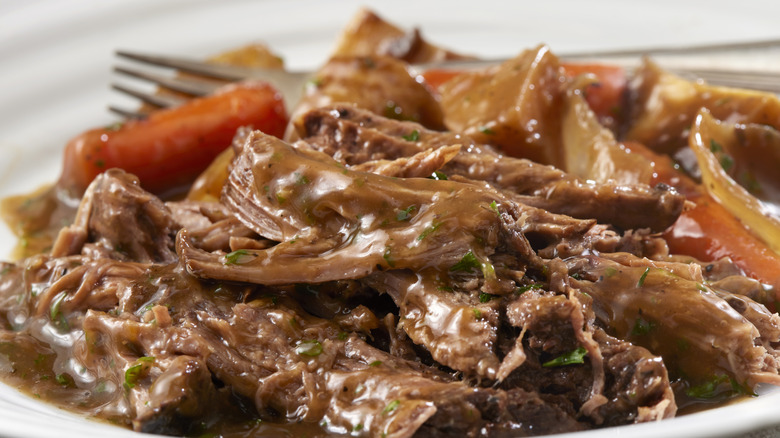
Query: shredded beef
{"type": "Point", "coordinates": [336, 289]}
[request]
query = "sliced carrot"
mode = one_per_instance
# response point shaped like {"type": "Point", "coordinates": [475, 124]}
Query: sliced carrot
{"type": "Point", "coordinates": [709, 232]}
{"type": "Point", "coordinates": [605, 97]}
{"type": "Point", "coordinates": [171, 147]}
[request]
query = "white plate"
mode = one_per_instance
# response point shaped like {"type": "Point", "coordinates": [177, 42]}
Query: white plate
{"type": "Point", "coordinates": [55, 59]}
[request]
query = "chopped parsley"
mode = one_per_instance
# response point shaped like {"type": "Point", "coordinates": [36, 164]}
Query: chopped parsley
{"type": "Point", "coordinates": [484, 298]}
{"type": "Point", "coordinates": [528, 287]}
{"type": "Point", "coordinates": [429, 230]}
{"type": "Point", "coordinates": [477, 313]}
{"type": "Point", "coordinates": [301, 179]}
{"type": "Point", "coordinates": [572, 357]}
{"type": "Point", "coordinates": [486, 130]}
{"type": "Point", "coordinates": [311, 347]}
{"type": "Point", "coordinates": [716, 387]}
{"type": "Point", "coordinates": [375, 363]}
{"type": "Point", "coordinates": [468, 263]}
{"type": "Point", "coordinates": [749, 181]}
{"type": "Point", "coordinates": [642, 326]}
{"type": "Point", "coordinates": [393, 405]}
{"type": "Point", "coordinates": [642, 278]}
{"type": "Point", "coordinates": [405, 214]}
{"type": "Point", "coordinates": [137, 370]}
{"type": "Point", "coordinates": [56, 313]}
{"type": "Point", "coordinates": [238, 257]}
{"type": "Point", "coordinates": [388, 257]}
{"type": "Point", "coordinates": [438, 176]}
{"type": "Point", "coordinates": [412, 136]}
{"type": "Point", "coordinates": [55, 305]}
{"type": "Point", "coordinates": [494, 207]}
{"type": "Point", "coordinates": [726, 162]}
{"type": "Point", "coordinates": [715, 147]}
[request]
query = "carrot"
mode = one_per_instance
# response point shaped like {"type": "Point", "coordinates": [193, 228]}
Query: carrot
{"type": "Point", "coordinates": [436, 77]}
{"type": "Point", "coordinates": [605, 98]}
{"type": "Point", "coordinates": [171, 147]}
{"type": "Point", "coordinates": [708, 231]}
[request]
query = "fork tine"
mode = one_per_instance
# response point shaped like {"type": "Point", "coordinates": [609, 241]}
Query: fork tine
{"type": "Point", "coordinates": [158, 100]}
{"type": "Point", "coordinates": [189, 86]}
{"type": "Point", "coordinates": [224, 72]}
{"type": "Point", "coordinates": [126, 114]}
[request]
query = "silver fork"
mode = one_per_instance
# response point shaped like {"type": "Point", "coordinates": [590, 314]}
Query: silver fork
{"type": "Point", "coordinates": [291, 83]}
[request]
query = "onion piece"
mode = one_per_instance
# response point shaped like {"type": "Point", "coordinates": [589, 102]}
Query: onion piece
{"type": "Point", "coordinates": [708, 137]}
{"type": "Point", "coordinates": [590, 151]}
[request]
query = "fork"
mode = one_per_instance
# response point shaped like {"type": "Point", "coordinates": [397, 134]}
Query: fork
{"type": "Point", "coordinates": [209, 77]}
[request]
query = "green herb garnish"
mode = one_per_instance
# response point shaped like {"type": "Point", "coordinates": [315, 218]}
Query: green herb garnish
{"type": "Point", "coordinates": [388, 257]}
{"type": "Point", "coordinates": [715, 146]}
{"type": "Point", "coordinates": [708, 390]}
{"type": "Point", "coordinates": [428, 231]}
{"type": "Point", "coordinates": [573, 357]}
{"type": "Point", "coordinates": [642, 278]}
{"type": "Point", "coordinates": [714, 388]}
{"type": "Point", "coordinates": [405, 214]}
{"type": "Point", "coordinates": [301, 179]}
{"type": "Point", "coordinates": [137, 370]}
{"type": "Point", "coordinates": [438, 176]}
{"type": "Point", "coordinates": [412, 136]}
{"type": "Point", "coordinates": [469, 262]}
{"type": "Point", "coordinates": [642, 327]}
{"type": "Point", "coordinates": [528, 287]}
{"type": "Point", "coordinates": [55, 306]}
{"type": "Point", "coordinates": [238, 257]}
{"type": "Point", "coordinates": [484, 298]}
{"type": "Point", "coordinates": [311, 347]}
{"type": "Point", "coordinates": [393, 405]}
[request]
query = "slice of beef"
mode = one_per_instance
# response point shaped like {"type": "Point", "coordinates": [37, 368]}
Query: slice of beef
{"type": "Point", "coordinates": [363, 222]}
{"type": "Point", "coordinates": [420, 165]}
{"type": "Point", "coordinates": [617, 383]}
{"type": "Point", "coordinates": [458, 330]}
{"type": "Point", "coordinates": [698, 333]}
{"type": "Point", "coordinates": [353, 135]}
{"type": "Point", "coordinates": [119, 220]}
{"type": "Point", "coordinates": [181, 394]}
{"type": "Point", "coordinates": [213, 228]}
{"type": "Point", "coordinates": [380, 84]}
{"type": "Point", "coordinates": [356, 137]}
